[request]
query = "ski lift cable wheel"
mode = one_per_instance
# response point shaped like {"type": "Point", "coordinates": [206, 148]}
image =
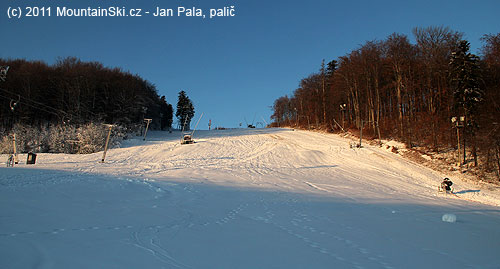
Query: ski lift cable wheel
{"type": "Point", "coordinates": [3, 72]}
{"type": "Point", "coordinates": [13, 103]}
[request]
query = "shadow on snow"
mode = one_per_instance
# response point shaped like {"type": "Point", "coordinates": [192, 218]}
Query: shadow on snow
{"type": "Point", "coordinates": [80, 220]}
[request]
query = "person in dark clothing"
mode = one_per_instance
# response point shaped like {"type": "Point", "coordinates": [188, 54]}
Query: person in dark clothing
{"type": "Point", "coordinates": [446, 184]}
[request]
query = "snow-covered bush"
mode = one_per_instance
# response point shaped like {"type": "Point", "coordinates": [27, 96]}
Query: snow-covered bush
{"type": "Point", "coordinates": [88, 138]}
{"type": "Point", "coordinates": [5, 145]}
{"type": "Point", "coordinates": [27, 139]}
{"type": "Point", "coordinates": [91, 138]}
{"type": "Point", "coordinates": [59, 137]}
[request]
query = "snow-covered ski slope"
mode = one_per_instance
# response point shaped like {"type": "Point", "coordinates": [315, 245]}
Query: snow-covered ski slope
{"type": "Point", "coordinates": [246, 198]}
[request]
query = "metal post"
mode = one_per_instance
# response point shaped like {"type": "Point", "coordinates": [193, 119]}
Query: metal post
{"type": "Point", "coordinates": [342, 110]}
{"type": "Point", "coordinates": [458, 140]}
{"type": "Point", "coordinates": [147, 126]}
{"type": "Point", "coordinates": [361, 134]}
{"type": "Point", "coordinates": [459, 123]}
{"type": "Point", "coordinates": [378, 133]}
{"type": "Point", "coordinates": [464, 124]}
{"type": "Point", "coordinates": [343, 124]}
{"type": "Point", "coordinates": [16, 159]}
{"type": "Point", "coordinates": [107, 142]}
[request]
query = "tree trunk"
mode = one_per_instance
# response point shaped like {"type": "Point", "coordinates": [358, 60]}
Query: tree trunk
{"type": "Point", "coordinates": [474, 149]}
{"type": "Point", "coordinates": [377, 118]}
{"type": "Point", "coordinates": [498, 161]}
{"type": "Point", "coordinates": [324, 99]}
{"type": "Point", "coordinates": [400, 104]}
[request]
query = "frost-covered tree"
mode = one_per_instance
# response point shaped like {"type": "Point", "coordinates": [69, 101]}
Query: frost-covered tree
{"type": "Point", "coordinates": [185, 111]}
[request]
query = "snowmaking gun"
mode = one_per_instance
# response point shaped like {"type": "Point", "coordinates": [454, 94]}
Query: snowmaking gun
{"type": "Point", "coordinates": [441, 189]}
{"type": "Point", "coordinates": [186, 139]}
{"type": "Point", "coordinates": [446, 187]}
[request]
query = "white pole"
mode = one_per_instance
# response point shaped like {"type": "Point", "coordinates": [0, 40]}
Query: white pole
{"type": "Point", "coordinates": [16, 160]}
{"type": "Point", "coordinates": [196, 124]}
{"type": "Point", "coordinates": [107, 142]}
{"type": "Point", "coordinates": [361, 134]}
{"type": "Point", "coordinates": [147, 126]}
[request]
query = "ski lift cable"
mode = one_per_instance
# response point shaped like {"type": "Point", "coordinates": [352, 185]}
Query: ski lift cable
{"type": "Point", "coordinates": [49, 107]}
{"type": "Point", "coordinates": [35, 102]}
{"type": "Point", "coordinates": [34, 106]}
{"type": "Point", "coordinates": [41, 109]}
{"type": "Point", "coordinates": [3, 72]}
{"type": "Point", "coordinates": [56, 112]}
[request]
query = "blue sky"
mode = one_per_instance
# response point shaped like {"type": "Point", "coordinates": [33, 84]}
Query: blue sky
{"type": "Point", "coordinates": [233, 67]}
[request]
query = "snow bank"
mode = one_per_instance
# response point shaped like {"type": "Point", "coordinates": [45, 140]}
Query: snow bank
{"type": "Point", "coordinates": [449, 218]}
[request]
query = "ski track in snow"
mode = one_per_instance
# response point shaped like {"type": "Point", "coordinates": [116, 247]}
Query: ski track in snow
{"type": "Point", "coordinates": [279, 179]}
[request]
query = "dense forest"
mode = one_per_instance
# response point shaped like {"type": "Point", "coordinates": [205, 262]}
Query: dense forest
{"type": "Point", "coordinates": [72, 94]}
{"type": "Point", "coordinates": [419, 94]}
{"type": "Point", "coordinates": [76, 92]}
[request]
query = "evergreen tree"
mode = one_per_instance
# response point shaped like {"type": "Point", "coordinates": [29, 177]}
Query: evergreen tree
{"type": "Point", "coordinates": [185, 111]}
{"type": "Point", "coordinates": [331, 67]}
{"type": "Point", "coordinates": [466, 81]}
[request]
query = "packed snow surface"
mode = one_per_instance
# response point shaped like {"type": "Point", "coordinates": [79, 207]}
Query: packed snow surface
{"type": "Point", "coordinates": [256, 198]}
